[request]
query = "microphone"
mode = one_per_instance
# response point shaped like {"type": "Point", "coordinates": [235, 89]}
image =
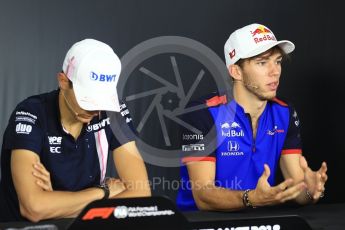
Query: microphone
{"type": "Point", "coordinates": [81, 115]}
{"type": "Point", "coordinates": [250, 85]}
{"type": "Point", "coordinates": [69, 105]}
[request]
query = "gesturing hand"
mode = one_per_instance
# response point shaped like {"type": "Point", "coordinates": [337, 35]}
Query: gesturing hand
{"type": "Point", "coordinates": [315, 180]}
{"type": "Point", "coordinates": [264, 194]}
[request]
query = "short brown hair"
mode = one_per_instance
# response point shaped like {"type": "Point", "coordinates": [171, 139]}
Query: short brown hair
{"type": "Point", "coordinates": [275, 49]}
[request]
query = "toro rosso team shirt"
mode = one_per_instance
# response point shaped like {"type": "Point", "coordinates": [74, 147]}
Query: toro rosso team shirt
{"type": "Point", "coordinates": [73, 164]}
{"type": "Point", "coordinates": [221, 132]}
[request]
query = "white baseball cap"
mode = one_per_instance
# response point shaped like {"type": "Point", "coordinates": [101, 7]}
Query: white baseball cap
{"type": "Point", "coordinates": [94, 69]}
{"type": "Point", "coordinates": [250, 41]}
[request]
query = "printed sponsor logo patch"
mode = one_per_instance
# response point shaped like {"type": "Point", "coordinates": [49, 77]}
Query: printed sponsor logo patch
{"type": "Point", "coordinates": [192, 137]}
{"type": "Point", "coordinates": [99, 125]}
{"type": "Point", "coordinates": [55, 144]}
{"type": "Point", "coordinates": [102, 77]}
{"type": "Point", "coordinates": [25, 119]}
{"type": "Point", "coordinates": [233, 148]}
{"type": "Point", "coordinates": [193, 147]}
{"type": "Point", "coordinates": [231, 130]}
{"type": "Point", "coordinates": [274, 131]}
{"type": "Point", "coordinates": [22, 116]}
{"type": "Point", "coordinates": [23, 128]}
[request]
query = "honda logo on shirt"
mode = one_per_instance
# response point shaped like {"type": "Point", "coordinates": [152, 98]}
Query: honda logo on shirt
{"type": "Point", "coordinates": [233, 146]}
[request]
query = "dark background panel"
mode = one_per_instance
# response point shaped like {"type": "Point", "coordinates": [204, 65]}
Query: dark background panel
{"type": "Point", "coordinates": [35, 35]}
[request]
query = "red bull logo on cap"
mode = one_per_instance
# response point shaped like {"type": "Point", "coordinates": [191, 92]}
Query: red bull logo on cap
{"type": "Point", "coordinates": [260, 30]}
{"type": "Point", "coordinates": [262, 34]}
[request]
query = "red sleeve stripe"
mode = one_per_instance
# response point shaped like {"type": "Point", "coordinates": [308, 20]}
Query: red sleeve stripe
{"type": "Point", "coordinates": [292, 151]}
{"type": "Point", "coordinates": [280, 102]}
{"type": "Point", "coordinates": [190, 159]}
{"type": "Point", "coordinates": [216, 100]}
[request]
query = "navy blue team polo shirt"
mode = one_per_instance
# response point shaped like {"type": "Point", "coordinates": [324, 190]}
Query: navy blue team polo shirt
{"type": "Point", "coordinates": [73, 164]}
{"type": "Point", "coordinates": [222, 132]}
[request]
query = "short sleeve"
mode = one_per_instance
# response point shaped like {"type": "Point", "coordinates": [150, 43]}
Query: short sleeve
{"type": "Point", "coordinates": [293, 142]}
{"type": "Point", "coordinates": [24, 130]}
{"type": "Point", "coordinates": [198, 134]}
{"type": "Point", "coordinates": [121, 127]}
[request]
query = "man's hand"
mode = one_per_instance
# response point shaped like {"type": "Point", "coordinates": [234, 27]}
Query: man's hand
{"type": "Point", "coordinates": [43, 176]}
{"type": "Point", "coordinates": [116, 186]}
{"type": "Point", "coordinates": [264, 194]}
{"type": "Point", "coordinates": [315, 180]}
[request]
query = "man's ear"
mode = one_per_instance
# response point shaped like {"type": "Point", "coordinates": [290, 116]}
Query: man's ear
{"type": "Point", "coordinates": [62, 80]}
{"type": "Point", "coordinates": [235, 71]}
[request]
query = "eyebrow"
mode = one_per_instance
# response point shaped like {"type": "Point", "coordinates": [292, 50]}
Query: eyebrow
{"type": "Point", "coordinates": [266, 57]}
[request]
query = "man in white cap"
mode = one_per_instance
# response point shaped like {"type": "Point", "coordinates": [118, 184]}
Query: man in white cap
{"type": "Point", "coordinates": [55, 148]}
{"type": "Point", "coordinates": [256, 133]}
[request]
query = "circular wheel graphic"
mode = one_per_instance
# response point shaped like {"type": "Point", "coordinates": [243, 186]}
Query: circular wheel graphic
{"type": "Point", "coordinates": [161, 76]}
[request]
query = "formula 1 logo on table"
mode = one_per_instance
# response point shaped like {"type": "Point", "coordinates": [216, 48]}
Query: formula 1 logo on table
{"type": "Point", "coordinates": [262, 227]}
{"type": "Point", "coordinates": [23, 128]}
{"type": "Point", "coordinates": [121, 212]}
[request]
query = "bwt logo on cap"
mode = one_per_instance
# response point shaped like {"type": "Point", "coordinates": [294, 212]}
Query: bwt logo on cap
{"type": "Point", "coordinates": [102, 77]}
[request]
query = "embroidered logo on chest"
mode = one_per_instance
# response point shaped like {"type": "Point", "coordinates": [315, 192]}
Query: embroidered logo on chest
{"type": "Point", "coordinates": [55, 144]}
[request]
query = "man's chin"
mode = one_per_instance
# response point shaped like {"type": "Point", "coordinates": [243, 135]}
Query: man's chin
{"type": "Point", "coordinates": [84, 120]}
{"type": "Point", "coordinates": [268, 97]}
{"type": "Point", "coordinates": [271, 97]}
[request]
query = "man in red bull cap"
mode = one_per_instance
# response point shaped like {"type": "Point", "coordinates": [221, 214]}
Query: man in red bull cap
{"type": "Point", "coordinates": [55, 147]}
{"type": "Point", "coordinates": [256, 134]}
